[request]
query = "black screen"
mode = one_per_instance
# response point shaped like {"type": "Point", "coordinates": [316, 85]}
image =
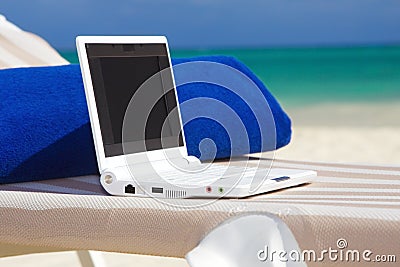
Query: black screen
{"type": "Point", "coordinates": [117, 72]}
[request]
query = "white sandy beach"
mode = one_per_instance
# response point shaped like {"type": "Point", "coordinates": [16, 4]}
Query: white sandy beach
{"type": "Point", "coordinates": [363, 133]}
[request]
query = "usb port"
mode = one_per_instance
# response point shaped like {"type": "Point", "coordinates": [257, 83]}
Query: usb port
{"type": "Point", "coordinates": [157, 190]}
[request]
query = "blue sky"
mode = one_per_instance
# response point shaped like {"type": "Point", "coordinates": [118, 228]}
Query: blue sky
{"type": "Point", "coordinates": [213, 23]}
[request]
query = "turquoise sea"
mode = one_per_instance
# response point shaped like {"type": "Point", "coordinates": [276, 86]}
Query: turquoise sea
{"type": "Point", "coordinates": [299, 76]}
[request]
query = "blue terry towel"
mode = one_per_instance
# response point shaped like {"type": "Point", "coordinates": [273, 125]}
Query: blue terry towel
{"type": "Point", "coordinates": [46, 132]}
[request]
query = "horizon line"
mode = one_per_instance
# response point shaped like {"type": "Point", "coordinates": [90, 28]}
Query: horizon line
{"type": "Point", "coordinates": [270, 47]}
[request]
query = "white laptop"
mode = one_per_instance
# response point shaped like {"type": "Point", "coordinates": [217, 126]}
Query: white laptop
{"type": "Point", "coordinates": [138, 133]}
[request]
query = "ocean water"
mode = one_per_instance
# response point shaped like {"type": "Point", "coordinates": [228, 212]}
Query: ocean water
{"type": "Point", "coordinates": [303, 76]}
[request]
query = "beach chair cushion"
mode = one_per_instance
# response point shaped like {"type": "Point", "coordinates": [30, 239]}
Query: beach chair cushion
{"type": "Point", "coordinates": [45, 131]}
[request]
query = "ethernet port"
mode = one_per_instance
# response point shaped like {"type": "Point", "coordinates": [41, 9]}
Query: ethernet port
{"type": "Point", "coordinates": [129, 189]}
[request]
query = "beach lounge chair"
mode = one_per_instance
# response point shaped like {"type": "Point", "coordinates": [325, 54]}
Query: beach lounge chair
{"type": "Point", "coordinates": [348, 207]}
{"type": "Point", "coordinates": [19, 48]}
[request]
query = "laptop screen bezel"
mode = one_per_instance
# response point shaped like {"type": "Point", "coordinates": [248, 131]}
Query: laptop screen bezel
{"type": "Point", "coordinates": [120, 160]}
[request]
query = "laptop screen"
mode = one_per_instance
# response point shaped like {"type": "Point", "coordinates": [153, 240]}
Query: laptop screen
{"type": "Point", "coordinates": [118, 71]}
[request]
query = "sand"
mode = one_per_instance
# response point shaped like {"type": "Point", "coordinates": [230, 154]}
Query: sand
{"type": "Point", "coordinates": [350, 132]}
{"type": "Point", "coordinates": [363, 133]}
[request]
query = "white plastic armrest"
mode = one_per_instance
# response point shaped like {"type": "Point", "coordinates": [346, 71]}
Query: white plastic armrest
{"type": "Point", "coordinates": [246, 241]}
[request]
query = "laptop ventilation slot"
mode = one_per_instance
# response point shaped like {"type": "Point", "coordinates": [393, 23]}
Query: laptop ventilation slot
{"type": "Point", "coordinates": [175, 193]}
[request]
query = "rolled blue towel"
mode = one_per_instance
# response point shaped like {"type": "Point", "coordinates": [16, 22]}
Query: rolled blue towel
{"type": "Point", "coordinates": [46, 131]}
